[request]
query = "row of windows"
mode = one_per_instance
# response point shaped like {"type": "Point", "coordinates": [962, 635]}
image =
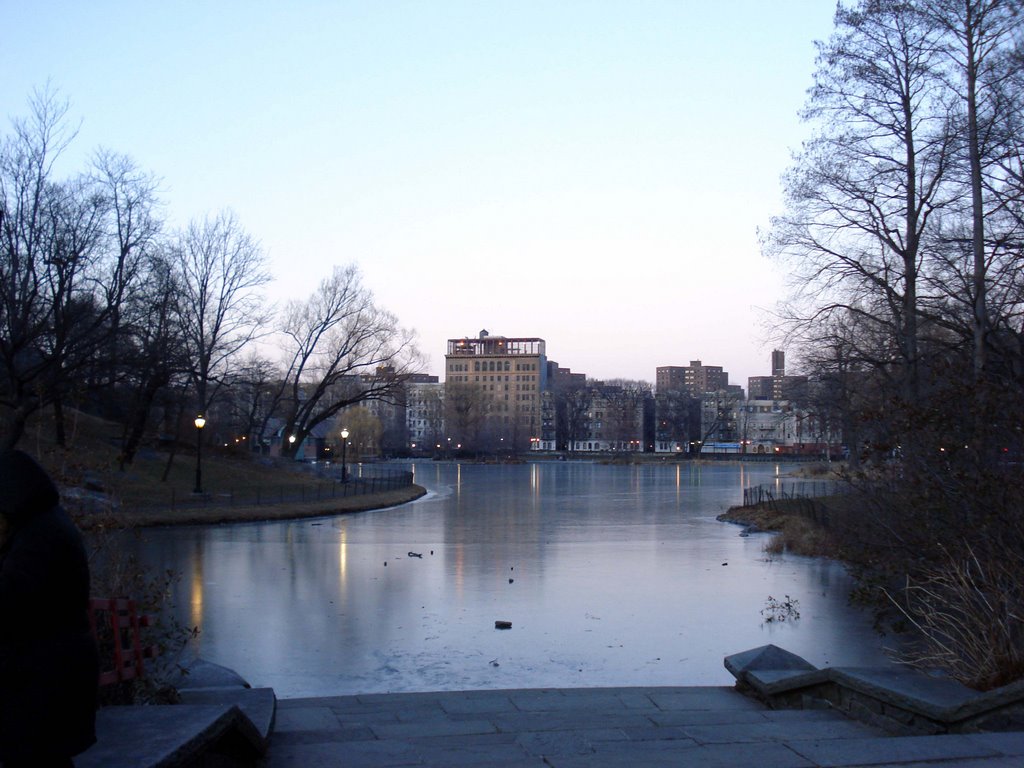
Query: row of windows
{"type": "Point", "coordinates": [491, 365]}
{"type": "Point", "coordinates": [498, 378]}
{"type": "Point", "coordinates": [531, 379]}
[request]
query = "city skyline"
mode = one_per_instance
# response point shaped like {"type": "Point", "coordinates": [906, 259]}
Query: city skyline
{"type": "Point", "coordinates": [590, 174]}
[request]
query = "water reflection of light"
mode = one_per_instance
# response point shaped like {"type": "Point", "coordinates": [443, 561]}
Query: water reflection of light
{"type": "Point", "coordinates": [460, 568]}
{"type": "Point", "coordinates": [458, 479]}
{"type": "Point", "coordinates": [535, 479]}
{"type": "Point", "coordinates": [196, 597]}
{"type": "Point", "coordinates": [342, 558]}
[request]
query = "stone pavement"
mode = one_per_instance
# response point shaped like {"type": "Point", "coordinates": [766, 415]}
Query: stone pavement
{"type": "Point", "coordinates": [598, 727]}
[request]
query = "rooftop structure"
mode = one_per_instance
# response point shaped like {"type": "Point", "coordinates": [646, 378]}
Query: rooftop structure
{"type": "Point", "coordinates": [489, 345]}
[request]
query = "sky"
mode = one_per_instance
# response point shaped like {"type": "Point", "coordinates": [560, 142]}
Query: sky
{"type": "Point", "coordinates": [591, 173]}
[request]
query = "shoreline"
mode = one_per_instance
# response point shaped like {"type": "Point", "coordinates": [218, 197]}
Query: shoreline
{"type": "Point", "coordinates": [219, 514]}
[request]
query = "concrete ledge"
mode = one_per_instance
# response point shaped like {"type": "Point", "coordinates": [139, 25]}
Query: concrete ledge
{"type": "Point", "coordinates": [200, 673]}
{"type": "Point", "coordinates": [259, 705]}
{"type": "Point", "coordinates": [897, 699]}
{"type": "Point", "coordinates": [172, 735]}
{"type": "Point", "coordinates": [774, 682]}
{"type": "Point", "coordinates": [220, 721]}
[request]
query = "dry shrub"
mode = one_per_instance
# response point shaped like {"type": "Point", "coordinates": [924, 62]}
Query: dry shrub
{"type": "Point", "coordinates": [936, 534]}
{"type": "Point", "coordinates": [775, 546]}
{"type": "Point", "coordinates": [118, 575]}
{"type": "Point", "coordinates": [969, 613]}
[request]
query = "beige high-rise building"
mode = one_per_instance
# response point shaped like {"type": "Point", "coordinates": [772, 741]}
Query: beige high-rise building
{"type": "Point", "coordinates": [493, 387]}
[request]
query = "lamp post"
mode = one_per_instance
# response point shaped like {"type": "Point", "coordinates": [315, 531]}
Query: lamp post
{"type": "Point", "coordinates": [200, 422]}
{"type": "Point", "coordinates": [344, 450]}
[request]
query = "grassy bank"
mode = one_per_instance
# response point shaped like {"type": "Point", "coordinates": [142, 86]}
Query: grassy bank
{"type": "Point", "coordinates": [212, 514]}
{"type": "Point", "coordinates": [796, 523]}
{"type": "Point", "coordinates": [157, 487]}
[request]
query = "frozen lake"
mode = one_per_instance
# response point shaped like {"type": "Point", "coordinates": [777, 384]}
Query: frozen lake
{"type": "Point", "coordinates": [610, 576]}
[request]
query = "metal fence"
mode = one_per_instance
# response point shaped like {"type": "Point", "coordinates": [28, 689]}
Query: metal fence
{"type": "Point", "coordinates": [795, 489]}
{"type": "Point", "coordinates": [325, 488]}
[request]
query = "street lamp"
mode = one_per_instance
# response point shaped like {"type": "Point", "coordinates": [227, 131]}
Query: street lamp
{"type": "Point", "coordinates": [344, 449]}
{"type": "Point", "coordinates": [200, 422]}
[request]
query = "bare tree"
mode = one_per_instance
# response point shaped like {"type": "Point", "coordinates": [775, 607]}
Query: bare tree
{"type": "Point", "coordinates": [68, 260]}
{"type": "Point", "coordinates": [863, 191]}
{"type": "Point", "coordinates": [221, 271]}
{"type": "Point", "coordinates": [364, 432]}
{"type": "Point", "coordinates": [132, 230]}
{"type": "Point", "coordinates": [152, 355]}
{"type": "Point", "coordinates": [572, 401]}
{"type": "Point", "coordinates": [675, 410]}
{"type": "Point", "coordinates": [342, 349]}
{"type": "Point", "coordinates": [26, 166]}
{"type": "Point", "coordinates": [257, 392]}
{"type": "Point", "coordinates": [466, 409]}
{"type": "Point", "coordinates": [978, 44]}
{"type": "Point", "coordinates": [626, 401]}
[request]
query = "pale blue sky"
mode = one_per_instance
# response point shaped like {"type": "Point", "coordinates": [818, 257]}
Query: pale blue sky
{"type": "Point", "coordinates": [592, 173]}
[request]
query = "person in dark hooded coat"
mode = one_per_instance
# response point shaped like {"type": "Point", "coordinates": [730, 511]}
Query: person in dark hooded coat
{"type": "Point", "coordinates": [48, 660]}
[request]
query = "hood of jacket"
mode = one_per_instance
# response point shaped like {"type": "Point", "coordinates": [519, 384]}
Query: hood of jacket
{"type": "Point", "coordinates": [25, 488]}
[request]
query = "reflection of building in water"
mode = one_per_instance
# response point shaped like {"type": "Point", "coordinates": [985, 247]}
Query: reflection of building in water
{"type": "Point", "coordinates": [493, 387]}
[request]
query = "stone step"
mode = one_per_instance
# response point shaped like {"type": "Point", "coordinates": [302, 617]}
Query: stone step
{"type": "Point", "coordinates": [257, 704]}
{"type": "Point", "coordinates": [167, 736]}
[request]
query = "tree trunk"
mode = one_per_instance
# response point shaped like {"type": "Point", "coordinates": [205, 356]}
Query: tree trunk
{"type": "Point", "coordinates": [174, 444]}
{"type": "Point", "coordinates": [980, 318]}
{"type": "Point", "coordinates": [59, 432]}
{"type": "Point", "coordinates": [15, 427]}
{"type": "Point", "coordinates": [136, 427]}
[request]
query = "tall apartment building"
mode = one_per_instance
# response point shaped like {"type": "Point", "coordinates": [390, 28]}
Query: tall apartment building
{"type": "Point", "coordinates": [778, 362]}
{"type": "Point", "coordinates": [778, 386]}
{"type": "Point", "coordinates": [424, 414]}
{"type": "Point", "coordinates": [493, 387]}
{"type": "Point", "coordinates": [695, 379]}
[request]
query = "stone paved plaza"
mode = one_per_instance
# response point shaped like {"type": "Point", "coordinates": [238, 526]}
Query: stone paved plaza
{"type": "Point", "coordinates": [570, 728]}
